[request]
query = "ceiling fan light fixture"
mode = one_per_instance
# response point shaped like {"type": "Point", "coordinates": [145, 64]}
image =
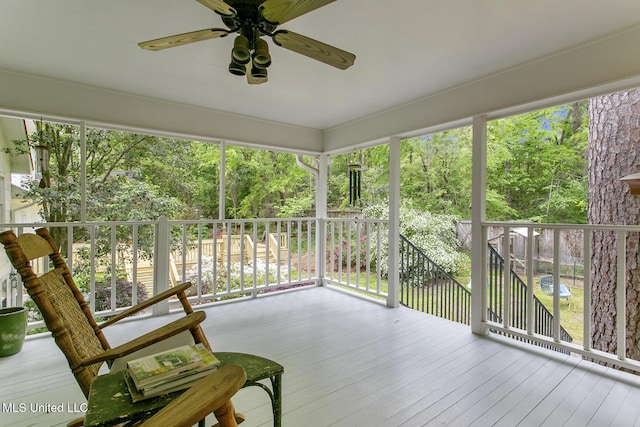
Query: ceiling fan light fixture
{"type": "Point", "coordinates": [240, 52]}
{"type": "Point", "coordinates": [237, 69]}
{"type": "Point", "coordinates": [261, 55]}
{"type": "Point", "coordinates": [258, 73]}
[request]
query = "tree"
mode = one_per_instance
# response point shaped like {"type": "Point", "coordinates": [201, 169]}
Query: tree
{"type": "Point", "coordinates": [614, 152]}
{"type": "Point", "coordinates": [116, 188]}
{"type": "Point", "coordinates": [115, 163]}
{"type": "Point", "coordinates": [205, 177]}
{"type": "Point", "coordinates": [537, 161]}
{"type": "Point", "coordinates": [436, 171]}
{"type": "Point", "coordinates": [266, 184]}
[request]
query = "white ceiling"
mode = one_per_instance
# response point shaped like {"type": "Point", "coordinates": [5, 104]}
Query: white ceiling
{"type": "Point", "coordinates": [408, 51]}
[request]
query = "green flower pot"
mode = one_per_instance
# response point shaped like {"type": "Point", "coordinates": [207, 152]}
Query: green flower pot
{"type": "Point", "coordinates": [13, 327]}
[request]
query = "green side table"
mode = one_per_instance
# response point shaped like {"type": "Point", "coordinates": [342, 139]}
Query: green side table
{"type": "Point", "coordinates": [110, 403]}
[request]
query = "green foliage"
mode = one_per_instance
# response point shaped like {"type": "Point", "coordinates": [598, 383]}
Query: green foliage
{"type": "Point", "coordinates": [374, 181]}
{"type": "Point", "coordinates": [124, 292]}
{"type": "Point", "coordinates": [296, 206]}
{"type": "Point", "coordinates": [536, 168]}
{"type": "Point", "coordinates": [353, 253]}
{"type": "Point", "coordinates": [433, 234]}
{"type": "Point", "coordinates": [113, 176]}
{"type": "Point", "coordinates": [124, 288]}
{"type": "Point", "coordinates": [497, 207]}
{"type": "Point", "coordinates": [124, 183]}
{"type": "Point", "coordinates": [538, 163]}
{"type": "Point", "coordinates": [535, 171]}
{"type": "Point", "coordinates": [205, 177]}
{"type": "Point", "coordinates": [265, 184]}
{"type": "Point", "coordinates": [438, 170]}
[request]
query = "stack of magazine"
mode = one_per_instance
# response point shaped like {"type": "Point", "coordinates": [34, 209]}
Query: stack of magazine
{"type": "Point", "coordinates": [168, 371]}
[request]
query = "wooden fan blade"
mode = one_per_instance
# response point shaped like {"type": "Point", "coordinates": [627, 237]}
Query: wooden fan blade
{"type": "Point", "coordinates": [314, 49]}
{"type": "Point", "coordinates": [180, 39]}
{"type": "Point", "coordinates": [219, 7]}
{"type": "Point", "coordinates": [280, 11]}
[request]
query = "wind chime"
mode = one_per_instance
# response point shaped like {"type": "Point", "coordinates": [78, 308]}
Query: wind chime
{"type": "Point", "coordinates": [355, 179]}
{"type": "Point", "coordinates": [43, 154]}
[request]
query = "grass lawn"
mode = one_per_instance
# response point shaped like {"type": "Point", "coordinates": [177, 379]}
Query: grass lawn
{"type": "Point", "coordinates": [571, 314]}
{"type": "Point", "coordinates": [353, 282]}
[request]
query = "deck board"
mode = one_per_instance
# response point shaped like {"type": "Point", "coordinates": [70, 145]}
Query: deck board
{"type": "Point", "coordinates": [350, 362]}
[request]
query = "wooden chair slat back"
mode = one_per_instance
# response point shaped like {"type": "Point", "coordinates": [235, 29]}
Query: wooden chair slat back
{"type": "Point", "coordinates": [34, 246]}
{"type": "Point", "coordinates": [62, 305]}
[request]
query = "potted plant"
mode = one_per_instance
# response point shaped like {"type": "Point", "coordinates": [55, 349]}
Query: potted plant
{"type": "Point", "coordinates": [13, 327]}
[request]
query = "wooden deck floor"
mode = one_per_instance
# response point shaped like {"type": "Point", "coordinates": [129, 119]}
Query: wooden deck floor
{"type": "Point", "coordinates": [350, 362]}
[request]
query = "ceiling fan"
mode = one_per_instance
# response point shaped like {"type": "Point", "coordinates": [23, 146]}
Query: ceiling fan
{"type": "Point", "coordinates": [252, 19]}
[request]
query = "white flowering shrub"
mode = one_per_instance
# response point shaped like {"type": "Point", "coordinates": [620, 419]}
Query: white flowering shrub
{"type": "Point", "coordinates": [433, 234]}
{"type": "Point", "coordinates": [235, 273]}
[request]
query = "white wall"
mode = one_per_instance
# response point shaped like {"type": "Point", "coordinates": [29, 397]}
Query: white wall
{"type": "Point", "coordinates": [12, 210]}
{"type": "Point", "coordinates": [5, 210]}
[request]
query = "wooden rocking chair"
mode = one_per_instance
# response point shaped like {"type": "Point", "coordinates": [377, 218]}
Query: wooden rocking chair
{"type": "Point", "coordinates": [68, 316]}
{"type": "Point", "coordinates": [212, 394]}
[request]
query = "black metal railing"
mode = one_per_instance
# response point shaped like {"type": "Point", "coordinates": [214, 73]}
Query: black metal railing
{"type": "Point", "coordinates": [426, 287]}
{"type": "Point", "coordinates": [543, 318]}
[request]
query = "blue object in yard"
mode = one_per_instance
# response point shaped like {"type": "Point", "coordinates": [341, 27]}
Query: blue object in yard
{"type": "Point", "coordinates": [546, 284]}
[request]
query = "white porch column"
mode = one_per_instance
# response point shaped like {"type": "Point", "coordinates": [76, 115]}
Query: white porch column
{"type": "Point", "coordinates": [393, 296]}
{"type": "Point", "coordinates": [322, 180]}
{"type": "Point", "coordinates": [478, 233]}
{"type": "Point", "coordinates": [161, 264]}
{"type": "Point", "coordinates": [322, 185]}
{"type": "Point", "coordinates": [83, 172]}
{"type": "Point", "coordinates": [221, 190]}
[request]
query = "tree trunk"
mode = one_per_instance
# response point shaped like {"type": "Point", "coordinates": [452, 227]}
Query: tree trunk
{"type": "Point", "coordinates": [614, 152]}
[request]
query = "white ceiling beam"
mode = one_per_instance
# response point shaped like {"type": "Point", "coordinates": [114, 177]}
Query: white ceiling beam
{"type": "Point", "coordinates": [591, 69]}
{"type": "Point", "coordinates": [23, 93]}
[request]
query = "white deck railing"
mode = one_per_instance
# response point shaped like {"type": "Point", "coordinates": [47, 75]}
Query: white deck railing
{"type": "Point", "coordinates": [251, 257]}
{"type": "Point", "coordinates": [565, 252]}
{"type": "Point", "coordinates": [356, 255]}
{"type": "Point", "coordinates": [116, 263]}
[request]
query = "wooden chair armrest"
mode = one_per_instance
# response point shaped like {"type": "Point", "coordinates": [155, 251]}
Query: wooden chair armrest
{"type": "Point", "coordinates": [78, 422]}
{"type": "Point", "coordinates": [183, 324]}
{"type": "Point", "coordinates": [208, 395]}
{"type": "Point", "coordinates": [148, 303]}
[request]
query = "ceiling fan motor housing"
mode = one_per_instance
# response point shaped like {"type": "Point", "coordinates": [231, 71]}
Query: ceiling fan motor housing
{"type": "Point", "coordinates": [248, 15]}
